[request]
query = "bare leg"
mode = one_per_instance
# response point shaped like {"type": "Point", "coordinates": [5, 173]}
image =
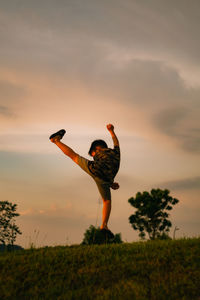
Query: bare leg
{"type": "Point", "coordinates": [65, 149]}
{"type": "Point", "coordinates": [105, 213]}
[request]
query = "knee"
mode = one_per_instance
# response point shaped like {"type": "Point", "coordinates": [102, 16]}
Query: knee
{"type": "Point", "coordinates": [107, 201]}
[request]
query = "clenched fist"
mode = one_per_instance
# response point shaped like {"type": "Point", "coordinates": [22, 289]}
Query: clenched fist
{"type": "Point", "coordinates": [110, 127]}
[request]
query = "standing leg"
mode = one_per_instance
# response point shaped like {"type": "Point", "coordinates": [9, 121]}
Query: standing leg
{"type": "Point", "coordinates": [105, 213]}
{"type": "Point", "coordinates": [105, 193]}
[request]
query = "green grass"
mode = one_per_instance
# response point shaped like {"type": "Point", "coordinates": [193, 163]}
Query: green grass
{"type": "Point", "coordinates": [143, 270]}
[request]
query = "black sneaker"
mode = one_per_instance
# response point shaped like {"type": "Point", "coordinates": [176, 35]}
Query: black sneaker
{"type": "Point", "coordinates": [59, 134]}
{"type": "Point", "coordinates": [107, 233]}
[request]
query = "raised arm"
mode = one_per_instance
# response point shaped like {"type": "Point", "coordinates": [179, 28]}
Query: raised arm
{"type": "Point", "coordinates": [110, 128]}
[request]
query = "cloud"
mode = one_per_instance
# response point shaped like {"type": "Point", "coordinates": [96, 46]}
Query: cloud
{"type": "Point", "coordinates": [181, 125]}
{"type": "Point", "coordinates": [53, 210]}
{"type": "Point", "coordinates": [4, 111]}
{"type": "Point", "coordinates": [10, 93]}
{"type": "Point", "coordinates": [141, 97]}
{"type": "Point", "coordinates": [110, 52]}
{"type": "Point", "coordinates": [46, 34]}
{"type": "Point", "coordinates": [192, 183]}
{"type": "Point", "coordinates": [157, 94]}
{"type": "Point", "coordinates": [11, 96]}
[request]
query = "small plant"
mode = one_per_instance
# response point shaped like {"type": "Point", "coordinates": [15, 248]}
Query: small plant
{"type": "Point", "coordinates": [94, 235]}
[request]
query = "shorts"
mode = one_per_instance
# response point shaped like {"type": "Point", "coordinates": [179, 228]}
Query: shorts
{"type": "Point", "coordinates": [103, 187]}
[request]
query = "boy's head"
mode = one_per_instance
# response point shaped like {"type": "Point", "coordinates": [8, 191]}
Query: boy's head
{"type": "Point", "coordinates": [96, 145]}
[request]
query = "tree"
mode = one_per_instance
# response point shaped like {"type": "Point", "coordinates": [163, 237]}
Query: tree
{"type": "Point", "coordinates": [94, 235]}
{"type": "Point", "coordinates": [8, 228]}
{"type": "Point", "coordinates": [151, 215]}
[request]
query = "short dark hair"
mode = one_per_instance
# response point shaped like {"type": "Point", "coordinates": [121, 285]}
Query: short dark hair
{"type": "Point", "coordinates": [96, 143]}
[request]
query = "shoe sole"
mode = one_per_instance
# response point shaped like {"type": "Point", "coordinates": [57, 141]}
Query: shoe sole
{"type": "Point", "coordinates": [60, 133]}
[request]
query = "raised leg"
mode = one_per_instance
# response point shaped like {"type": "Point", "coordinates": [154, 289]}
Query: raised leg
{"type": "Point", "coordinates": [65, 149]}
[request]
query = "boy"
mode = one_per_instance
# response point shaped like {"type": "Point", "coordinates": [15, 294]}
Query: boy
{"type": "Point", "coordinates": [102, 169]}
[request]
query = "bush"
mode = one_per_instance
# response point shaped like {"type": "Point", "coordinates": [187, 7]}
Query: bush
{"type": "Point", "coordinates": [95, 235]}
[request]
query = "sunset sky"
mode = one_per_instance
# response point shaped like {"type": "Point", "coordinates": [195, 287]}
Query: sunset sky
{"type": "Point", "coordinates": [79, 65]}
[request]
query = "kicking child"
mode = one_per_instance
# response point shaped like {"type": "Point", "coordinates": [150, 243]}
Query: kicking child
{"type": "Point", "coordinates": [103, 168]}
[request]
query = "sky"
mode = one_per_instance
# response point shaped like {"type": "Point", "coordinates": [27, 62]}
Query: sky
{"type": "Point", "coordinates": [80, 65]}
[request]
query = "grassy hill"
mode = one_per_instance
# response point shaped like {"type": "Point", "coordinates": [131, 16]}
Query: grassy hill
{"type": "Point", "coordinates": [143, 270]}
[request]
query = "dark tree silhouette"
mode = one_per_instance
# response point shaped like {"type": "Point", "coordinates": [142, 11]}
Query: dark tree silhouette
{"type": "Point", "coordinates": [94, 235]}
{"type": "Point", "coordinates": [8, 228]}
{"type": "Point", "coordinates": [151, 215]}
